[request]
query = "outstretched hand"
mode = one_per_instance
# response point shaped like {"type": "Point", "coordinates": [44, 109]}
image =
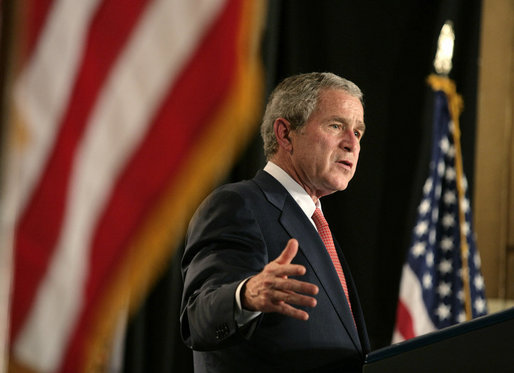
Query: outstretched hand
{"type": "Point", "coordinates": [273, 291]}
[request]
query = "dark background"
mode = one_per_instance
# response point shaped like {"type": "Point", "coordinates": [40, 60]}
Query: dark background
{"type": "Point", "coordinates": [387, 49]}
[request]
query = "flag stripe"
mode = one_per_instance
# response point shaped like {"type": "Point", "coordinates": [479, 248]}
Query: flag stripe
{"type": "Point", "coordinates": [180, 118]}
{"type": "Point", "coordinates": [42, 90]}
{"type": "Point", "coordinates": [154, 162]}
{"type": "Point", "coordinates": [411, 299]}
{"type": "Point", "coordinates": [114, 203]}
{"type": "Point", "coordinates": [207, 162]}
{"type": "Point", "coordinates": [74, 239]}
{"type": "Point", "coordinates": [405, 326]}
{"type": "Point", "coordinates": [36, 12]}
{"type": "Point", "coordinates": [39, 113]}
{"type": "Point", "coordinates": [35, 234]}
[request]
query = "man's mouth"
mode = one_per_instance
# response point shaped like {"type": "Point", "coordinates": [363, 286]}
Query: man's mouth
{"type": "Point", "coordinates": [348, 164]}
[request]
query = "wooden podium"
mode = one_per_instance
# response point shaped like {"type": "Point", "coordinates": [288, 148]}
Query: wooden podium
{"type": "Point", "coordinates": [485, 344]}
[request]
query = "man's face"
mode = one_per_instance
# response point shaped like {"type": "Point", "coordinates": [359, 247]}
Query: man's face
{"type": "Point", "coordinates": [326, 149]}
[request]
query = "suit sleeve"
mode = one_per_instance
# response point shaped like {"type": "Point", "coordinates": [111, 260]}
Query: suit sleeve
{"type": "Point", "coordinates": [224, 246]}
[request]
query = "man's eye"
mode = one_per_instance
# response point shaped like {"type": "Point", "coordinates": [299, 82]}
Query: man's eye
{"type": "Point", "coordinates": [357, 134]}
{"type": "Point", "coordinates": [335, 125]}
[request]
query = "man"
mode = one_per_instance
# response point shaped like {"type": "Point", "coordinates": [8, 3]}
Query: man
{"type": "Point", "coordinates": [264, 287]}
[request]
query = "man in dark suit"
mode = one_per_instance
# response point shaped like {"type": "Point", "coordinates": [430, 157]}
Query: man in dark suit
{"type": "Point", "coordinates": [265, 287]}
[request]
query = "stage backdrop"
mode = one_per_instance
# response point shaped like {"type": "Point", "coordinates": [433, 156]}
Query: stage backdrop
{"type": "Point", "coordinates": [387, 48]}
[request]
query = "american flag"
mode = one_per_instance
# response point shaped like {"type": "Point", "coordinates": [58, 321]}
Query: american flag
{"type": "Point", "coordinates": [118, 112]}
{"type": "Point", "coordinates": [441, 280]}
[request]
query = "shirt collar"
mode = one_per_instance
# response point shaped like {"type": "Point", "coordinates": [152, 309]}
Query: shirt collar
{"type": "Point", "coordinates": [295, 190]}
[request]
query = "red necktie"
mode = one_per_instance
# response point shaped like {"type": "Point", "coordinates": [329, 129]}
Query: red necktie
{"type": "Point", "coordinates": [326, 237]}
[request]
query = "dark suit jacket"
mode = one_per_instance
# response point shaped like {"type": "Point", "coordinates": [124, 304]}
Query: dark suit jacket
{"type": "Point", "coordinates": [236, 231]}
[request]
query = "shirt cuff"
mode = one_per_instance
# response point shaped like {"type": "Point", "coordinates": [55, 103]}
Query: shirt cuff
{"type": "Point", "coordinates": [243, 316]}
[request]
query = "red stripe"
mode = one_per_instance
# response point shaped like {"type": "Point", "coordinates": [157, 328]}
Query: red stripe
{"type": "Point", "coordinates": [404, 322]}
{"type": "Point", "coordinates": [40, 224]}
{"type": "Point", "coordinates": [34, 15]}
{"type": "Point", "coordinates": [184, 115]}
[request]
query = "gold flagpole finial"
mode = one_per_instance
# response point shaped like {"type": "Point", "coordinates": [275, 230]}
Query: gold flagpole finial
{"type": "Point", "coordinates": [443, 57]}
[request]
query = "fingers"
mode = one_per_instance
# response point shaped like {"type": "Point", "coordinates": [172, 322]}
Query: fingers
{"type": "Point", "coordinates": [287, 310]}
{"type": "Point", "coordinates": [263, 289]}
{"type": "Point", "coordinates": [293, 298]}
{"type": "Point", "coordinates": [288, 253]}
{"type": "Point", "coordinates": [295, 286]}
{"type": "Point", "coordinates": [280, 296]}
{"type": "Point", "coordinates": [282, 266]}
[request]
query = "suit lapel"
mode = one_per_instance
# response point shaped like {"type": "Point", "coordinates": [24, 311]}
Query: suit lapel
{"type": "Point", "coordinates": [356, 307]}
{"type": "Point", "coordinates": [298, 226]}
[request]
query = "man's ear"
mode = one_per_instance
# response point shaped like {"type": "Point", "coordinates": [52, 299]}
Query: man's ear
{"type": "Point", "coordinates": [282, 129]}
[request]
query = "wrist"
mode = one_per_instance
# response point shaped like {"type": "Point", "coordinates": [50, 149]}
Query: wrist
{"type": "Point", "coordinates": [245, 296]}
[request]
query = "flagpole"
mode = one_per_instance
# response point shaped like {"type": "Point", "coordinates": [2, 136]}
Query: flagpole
{"type": "Point", "coordinates": [443, 65]}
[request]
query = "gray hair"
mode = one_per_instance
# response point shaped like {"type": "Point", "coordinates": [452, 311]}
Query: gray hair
{"type": "Point", "coordinates": [295, 98]}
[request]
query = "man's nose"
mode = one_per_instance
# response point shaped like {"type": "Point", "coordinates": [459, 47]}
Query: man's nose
{"type": "Point", "coordinates": [350, 142]}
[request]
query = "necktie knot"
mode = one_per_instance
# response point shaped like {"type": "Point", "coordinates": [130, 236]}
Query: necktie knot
{"type": "Point", "coordinates": [323, 230]}
{"type": "Point", "coordinates": [319, 219]}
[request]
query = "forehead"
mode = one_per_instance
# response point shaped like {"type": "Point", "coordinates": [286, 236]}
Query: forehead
{"type": "Point", "coordinates": [338, 102]}
{"type": "Point", "coordinates": [337, 97]}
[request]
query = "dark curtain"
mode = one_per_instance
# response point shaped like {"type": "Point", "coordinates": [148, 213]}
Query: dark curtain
{"type": "Point", "coordinates": [387, 48]}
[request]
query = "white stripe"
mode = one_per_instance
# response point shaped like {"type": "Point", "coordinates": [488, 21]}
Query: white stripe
{"type": "Point", "coordinates": [397, 336]}
{"type": "Point", "coordinates": [161, 45]}
{"type": "Point", "coordinates": [40, 95]}
{"type": "Point", "coordinates": [43, 89]}
{"type": "Point", "coordinates": [412, 297]}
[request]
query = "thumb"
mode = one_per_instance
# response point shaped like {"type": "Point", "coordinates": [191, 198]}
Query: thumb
{"type": "Point", "coordinates": [288, 253]}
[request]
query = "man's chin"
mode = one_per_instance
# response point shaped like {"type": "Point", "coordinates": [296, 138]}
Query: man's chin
{"type": "Point", "coordinates": [342, 182]}
{"type": "Point", "coordinates": [343, 187]}
{"type": "Point", "coordinates": [339, 187]}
